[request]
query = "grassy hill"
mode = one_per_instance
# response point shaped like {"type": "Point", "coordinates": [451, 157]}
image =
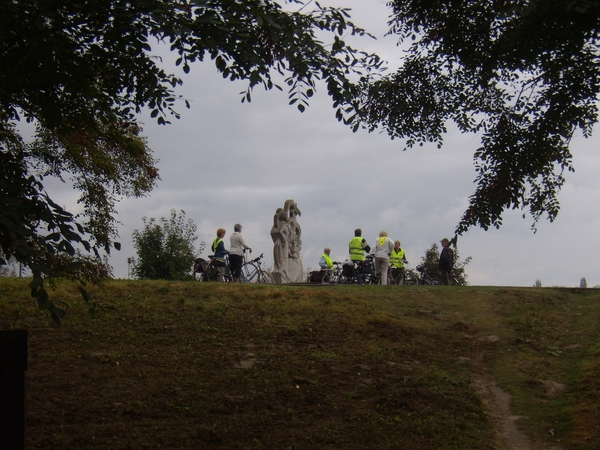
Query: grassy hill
{"type": "Point", "coordinates": [201, 365]}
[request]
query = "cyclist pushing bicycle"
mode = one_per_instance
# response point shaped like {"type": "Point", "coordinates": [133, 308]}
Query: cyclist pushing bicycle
{"type": "Point", "coordinates": [219, 261]}
{"type": "Point", "coordinates": [237, 249]}
{"type": "Point", "coordinates": [397, 261]}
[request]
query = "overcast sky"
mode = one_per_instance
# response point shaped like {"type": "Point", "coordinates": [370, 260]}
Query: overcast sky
{"type": "Point", "coordinates": [225, 162]}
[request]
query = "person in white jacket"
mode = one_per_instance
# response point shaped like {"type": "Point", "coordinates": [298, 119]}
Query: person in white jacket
{"type": "Point", "coordinates": [236, 252]}
{"type": "Point", "coordinates": [383, 248]}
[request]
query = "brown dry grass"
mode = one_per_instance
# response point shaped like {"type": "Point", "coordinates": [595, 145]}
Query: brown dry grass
{"type": "Point", "coordinates": [200, 365]}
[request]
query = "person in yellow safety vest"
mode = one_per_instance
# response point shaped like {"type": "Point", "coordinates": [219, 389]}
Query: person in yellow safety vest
{"type": "Point", "coordinates": [218, 248]}
{"type": "Point", "coordinates": [397, 257]}
{"type": "Point", "coordinates": [325, 262]}
{"type": "Point", "coordinates": [397, 261]}
{"type": "Point", "coordinates": [357, 247]}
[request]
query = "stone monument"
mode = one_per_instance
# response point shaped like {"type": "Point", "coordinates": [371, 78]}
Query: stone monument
{"type": "Point", "coordinates": [286, 234]}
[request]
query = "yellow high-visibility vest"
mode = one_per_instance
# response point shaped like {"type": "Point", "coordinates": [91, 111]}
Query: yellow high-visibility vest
{"type": "Point", "coordinates": [397, 258]}
{"type": "Point", "coordinates": [215, 244]}
{"type": "Point", "coordinates": [357, 252]}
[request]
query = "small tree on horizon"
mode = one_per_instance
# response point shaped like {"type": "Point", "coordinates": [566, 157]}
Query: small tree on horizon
{"type": "Point", "coordinates": [583, 283]}
{"type": "Point", "coordinates": [537, 284]}
{"type": "Point", "coordinates": [165, 250]}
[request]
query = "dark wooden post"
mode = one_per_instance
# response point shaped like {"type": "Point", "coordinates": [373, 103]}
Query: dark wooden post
{"type": "Point", "coordinates": [13, 364]}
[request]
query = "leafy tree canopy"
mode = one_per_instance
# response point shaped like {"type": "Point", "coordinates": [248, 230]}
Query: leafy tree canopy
{"type": "Point", "coordinates": [523, 75]}
{"type": "Point", "coordinates": [82, 71]}
{"type": "Point", "coordinates": [165, 250]}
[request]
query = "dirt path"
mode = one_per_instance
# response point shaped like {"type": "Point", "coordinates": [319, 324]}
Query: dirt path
{"type": "Point", "coordinates": [497, 401]}
{"type": "Point", "coordinates": [509, 437]}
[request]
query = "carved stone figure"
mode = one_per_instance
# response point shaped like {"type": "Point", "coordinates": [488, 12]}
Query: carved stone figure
{"type": "Point", "coordinates": [286, 235]}
{"type": "Point", "coordinates": [280, 236]}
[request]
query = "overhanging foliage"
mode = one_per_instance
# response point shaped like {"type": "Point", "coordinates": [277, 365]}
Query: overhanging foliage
{"type": "Point", "coordinates": [524, 76]}
{"type": "Point", "coordinates": [82, 71]}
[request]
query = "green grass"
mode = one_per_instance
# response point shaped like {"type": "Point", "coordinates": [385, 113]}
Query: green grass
{"type": "Point", "coordinates": [191, 365]}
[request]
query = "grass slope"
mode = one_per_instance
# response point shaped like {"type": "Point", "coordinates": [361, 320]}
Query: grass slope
{"type": "Point", "coordinates": [200, 365]}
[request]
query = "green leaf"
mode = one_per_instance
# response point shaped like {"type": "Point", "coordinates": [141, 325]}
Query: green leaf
{"type": "Point", "coordinates": [42, 298]}
{"type": "Point", "coordinates": [85, 294]}
{"type": "Point", "coordinates": [57, 314]}
{"type": "Point", "coordinates": [73, 267]}
{"type": "Point", "coordinates": [36, 282]}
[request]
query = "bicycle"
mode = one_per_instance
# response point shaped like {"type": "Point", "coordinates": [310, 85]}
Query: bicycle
{"type": "Point", "coordinates": [200, 267]}
{"type": "Point", "coordinates": [395, 275]}
{"type": "Point", "coordinates": [252, 271]}
{"type": "Point", "coordinates": [425, 278]}
{"type": "Point", "coordinates": [336, 274]}
{"type": "Point", "coordinates": [367, 270]}
{"type": "Point", "coordinates": [207, 271]}
{"type": "Point", "coordinates": [325, 276]}
{"type": "Point", "coordinates": [348, 273]}
{"type": "Point", "coordinates": [350, 269]}
{"type": "Point", "coordinates": [402, 275]}
{"type": "Point", "coordinates": [455, 281]}
{"type": "Point", "coordinates": [411, 278]}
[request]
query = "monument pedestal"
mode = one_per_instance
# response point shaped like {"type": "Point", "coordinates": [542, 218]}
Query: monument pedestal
{"type": "Point", "coordinates": [277, 278]}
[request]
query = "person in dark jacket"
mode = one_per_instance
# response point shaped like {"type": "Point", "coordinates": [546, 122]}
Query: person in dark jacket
{"type": "Point", "coordinates": [446, 261]}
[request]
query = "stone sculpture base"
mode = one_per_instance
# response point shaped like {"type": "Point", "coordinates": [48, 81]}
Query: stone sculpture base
{"type": "Point", "coordinates": [277, 278]}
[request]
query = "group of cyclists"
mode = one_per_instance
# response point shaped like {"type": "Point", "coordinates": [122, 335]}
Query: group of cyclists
{"type": "Point", "coordinates": [231, 266]}
{"type": "Point", "coordinates": [385, 260]}
{"type": "Point", "coordinates": [382, 264]}
{"type": "Point", "coordinates": [225, 265]}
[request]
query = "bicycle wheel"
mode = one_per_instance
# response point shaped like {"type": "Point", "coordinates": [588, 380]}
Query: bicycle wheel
{"type": "Point", "coordinates": [199, 270]}
{"type": "Point", "coordinates": [211, 273]}
{"type": "Point", "coordinates": [345, 280]}
{"type": "Point", "coordinates": [390, 278]}
{"type": "Point", "coordinates": [370, 279]}
{"type": "Point", "coordinates": [249, 273]}
{"type": "Point", "coordinates": [426, 281]}
{"type": "Point", "coordinates": [454, 281]}
{"type": "Point", "coordinates": [336, 278]}
{"type": "Point", "coordinates": [264, 277]}
{"type": "Point", "coordinates": [326, 278]}
{"type": "Point", "coordinates": [199, 276]}
{"type": "Point", "coordinates": [410, 278]}
{"type": "Point", "coordinates": [395, 276]}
